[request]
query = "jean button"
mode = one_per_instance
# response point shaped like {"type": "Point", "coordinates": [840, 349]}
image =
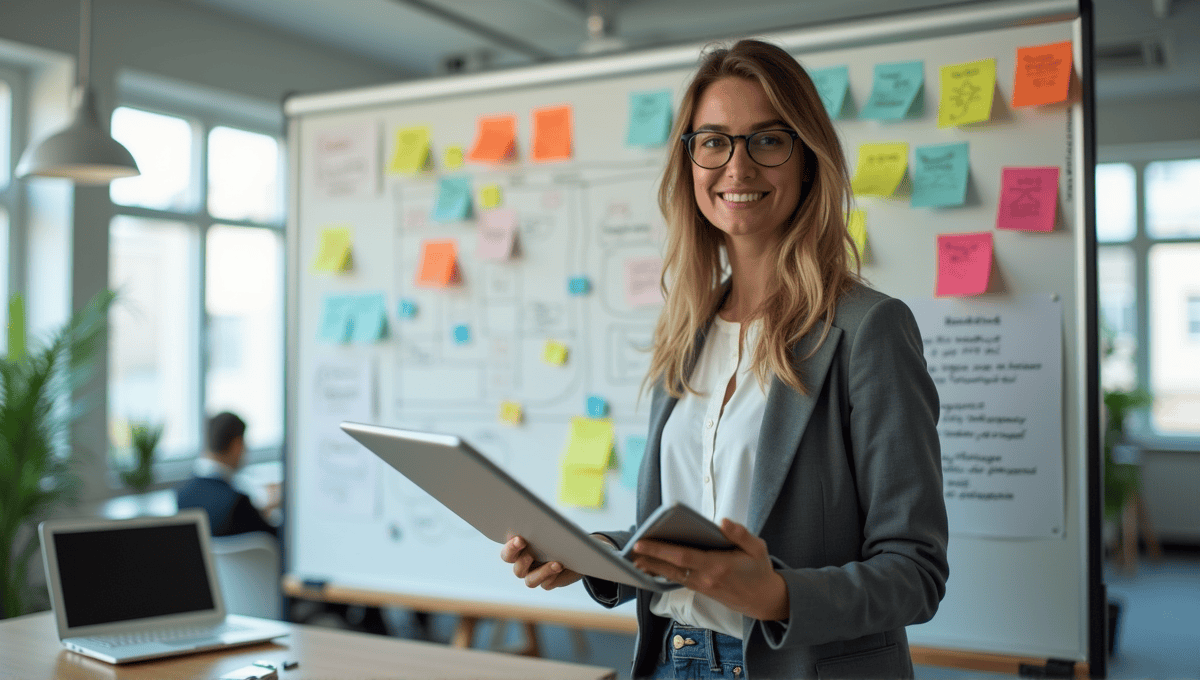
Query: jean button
{"type": "Point", "coordinates": [677, 642]}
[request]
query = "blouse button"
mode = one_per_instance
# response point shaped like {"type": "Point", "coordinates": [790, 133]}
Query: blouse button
{"type": "Point", "coordinates": [709, 423]}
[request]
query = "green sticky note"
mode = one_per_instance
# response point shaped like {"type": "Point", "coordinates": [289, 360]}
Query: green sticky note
{"type": "Point", "coordinates": [649, 118]}
{"type": "Point", "coordinates": [940, 175]}
{"type": "Point", "coordinates": [833, 84]}
{"type": "Point", "coordinates": [967, 91]}
{"type": "Point", "coordinates": [880, 169]}
{"type": "Point", "coordinates": [894, 91]}
{"type": "Point", "coordinates": [336, 318]}
{"type": "Point", "coordinates": [370, 318]}
{"type": "Point", "coordinates": [453, 199]}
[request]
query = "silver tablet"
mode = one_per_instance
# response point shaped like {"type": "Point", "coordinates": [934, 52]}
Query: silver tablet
{"type": "Point", "coordinates": [490, 500]}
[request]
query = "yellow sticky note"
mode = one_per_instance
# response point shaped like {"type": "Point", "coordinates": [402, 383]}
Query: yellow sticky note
{"type": "Point", "coordinates": [489, 196]}
{"type": "Point", "coordinates": [510, 412]}
{"type": "Point", "coordinates": [581, 487]}
{"type": "Point", "coordinates": [857, 226]}
{"type": "Point", "coordinates": [880, 169]}
{"type": "Point", "coordinates": [411, 154]}
{"type": "Point", "coordinates": [591, 443]}
{"type": "Point", "coordinates": [555, 353]}
{"type": "Point", "coordinates": [452, 159]}
{"type": "Point", "coordinates": [334, 251]}
{"type": "Point", "coordinates": [967, 91]}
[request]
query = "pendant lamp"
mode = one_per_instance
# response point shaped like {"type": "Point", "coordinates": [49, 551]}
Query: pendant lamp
{"type": "Point", "coordinates": [83, 151]}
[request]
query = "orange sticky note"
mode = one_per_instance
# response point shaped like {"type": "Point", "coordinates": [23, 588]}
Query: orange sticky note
{"type": "Point", "coordinates": [495, 139]}
{"type": "Point", "coordinates": [964, 264]}
{"type": "Point", "coordinates": [438, 263]}
{"type": "Point", "coordinates": [1043, 74]}
{"type": "Point", "coordinates": [552, 133]}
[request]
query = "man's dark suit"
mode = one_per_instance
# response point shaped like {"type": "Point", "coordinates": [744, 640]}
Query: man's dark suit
{"type": "Point", "coordinates": [229, 510]}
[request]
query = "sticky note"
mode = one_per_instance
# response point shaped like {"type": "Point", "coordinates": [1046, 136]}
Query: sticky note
{"type": "Point", "coordinates": [1028, 199]}
{"type": "Point", "coordinates": [589, 455]}
{"type": "Point", "coordinates": [578, 285]}
{"type": "Point", "coordinates": [461, 333]}
{"type": "Point", "coordinates": [439, 259]}
{"type": "Point", "coordinates": [631, 460]}
{"type": "Point", "coordinates": [856, 224]}
{"type": "Point", "coordinates": [497, 234]}
{"type": "Point", "coordinates": [649, 118]}
{"type": "Point", "coordinates": [964, 264]}
{"type": "Point", "coordinates": [334, 250]}
{"type": "Point", "coordinates": [510, 412]}
{"type": "Point", "coordinates": [452, 158]}
{"type": "Point", "coordinates": [880, 169]}
{"type": "Point", "coordinates": [453, 199]}
{"type": "Point", "coordinates": [833, 84]}
{"type": "Point", "coordinates": [940, 175]}
{"type": "Point", "coordinates": [555, 353]}
{"type": "Point", "coordinates": [552, 133]}
{"type": "Point", "coordinates": [336, 319]}
{"type": "Point", "coordinates": [894, 90]}
{"type": "Point", "coordinates": [495, 140]}
{"type": "Point", "coordinates": [967, 91]}
{"type": "Point", "coordinates": [411, 154]}
{"type": "Point", "coordinates": [370, 318]}
{"type": "Point", "coordinates": [597, 407]}
{"type": "Point", "coordinates": [489, 196]}
{"type": "Point", "coordinates": [642, 281]}
{"type": "Point", "coordinates": [1043, 74]}
{"type": "Point", "coordinates": [407, 309]}
{"type": "Point", "coordinates": [581, 487]}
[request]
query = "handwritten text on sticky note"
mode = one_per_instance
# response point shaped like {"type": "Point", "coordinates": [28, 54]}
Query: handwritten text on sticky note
{"type": "Point", "coordinates": [649, 118]}
{"type": "Point", "coordinates": [880, 169]}
{"type": "Point", "coordinates": [1043, 74]}
{"type": "Point", "coordinates": [964, 264]}
{"type": "Point", "coordinates": [833, 84]}
{"type": "Point", "coordinates": [940, 175]}
{"type": "Point", "coordinates": [967, 91]}
{"type": "Point", "coordinates": [1028, 199]}
{"type": "Point", "coordinates": [895, 90]}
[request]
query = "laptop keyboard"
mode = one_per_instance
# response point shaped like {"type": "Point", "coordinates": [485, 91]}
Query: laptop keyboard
{"type": "Point", "coordinates": [166, 635]}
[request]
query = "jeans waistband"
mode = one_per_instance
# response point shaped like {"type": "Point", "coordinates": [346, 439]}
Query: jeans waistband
{"type": "Point", "coordinates": [690, 642]}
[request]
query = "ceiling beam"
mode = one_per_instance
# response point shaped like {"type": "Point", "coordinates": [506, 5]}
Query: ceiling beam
{"type": "Point", "coordinates": [487, 32]}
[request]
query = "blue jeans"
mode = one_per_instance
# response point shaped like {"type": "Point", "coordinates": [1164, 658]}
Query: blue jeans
{"type": "Point", "coordinates": [701, 654]}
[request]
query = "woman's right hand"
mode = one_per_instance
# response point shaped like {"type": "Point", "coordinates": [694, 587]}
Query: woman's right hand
{"type": "Point", "coordinates": [547, 575]}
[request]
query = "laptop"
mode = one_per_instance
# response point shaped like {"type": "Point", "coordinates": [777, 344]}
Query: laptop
{"type": "Point", "coordinates": [129, 590]}
{"type": "Point", "coordinates": [489, 499]}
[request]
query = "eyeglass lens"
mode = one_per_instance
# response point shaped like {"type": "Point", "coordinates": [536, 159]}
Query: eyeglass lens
{"type": "Point", "coordinates": [769, 148]}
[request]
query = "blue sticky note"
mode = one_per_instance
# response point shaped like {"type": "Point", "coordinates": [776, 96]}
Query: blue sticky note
{"type": "Point", "coordinates": [940, 175]}
{"type": "Point", "coordinates": [832, 85]}
{"type": "Point", "coordinates": [462, 334]}
{"type": "Point", "coordinates": [337, 313]}
{"type": "Point", "coordinates": [579, 285]}
{"type": "Point", "coordinates": [895, 89]}
{"type": "Point", "coordinates": [453, 199]}
{"type": "Point", "coordinates": [370, 318]}
{"type": "Point", "coordinates": [597, 407]}
{"type": "Point", "coordinates": [631, 462]}
{"type": "Point", "coordinates": [407, 309]}
{"type": "Point", "coordinates": [649, 118]}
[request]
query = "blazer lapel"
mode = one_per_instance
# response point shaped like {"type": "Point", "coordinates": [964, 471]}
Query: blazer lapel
{"type": "Point", "coordinates": [650, 477]}
{"type": "Point", "coordinates": [784, 420]}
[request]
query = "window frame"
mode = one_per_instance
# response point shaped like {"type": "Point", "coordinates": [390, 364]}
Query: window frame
{"type": "Point", "coordinates": [12, 198]}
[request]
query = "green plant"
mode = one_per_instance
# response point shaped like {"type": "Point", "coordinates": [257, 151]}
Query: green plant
{"type": "Point", "coordinates": [144, 439]}
{"type": "Point", "coordinates": [38, 402]}
{"type": "Point", "coordinates": [1121, 480]}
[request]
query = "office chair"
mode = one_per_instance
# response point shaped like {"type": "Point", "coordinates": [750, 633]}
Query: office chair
{"type": "Point", "coordinates": [249, 570]}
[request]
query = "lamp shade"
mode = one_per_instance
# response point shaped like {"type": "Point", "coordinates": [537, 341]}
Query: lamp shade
{"type": "Point", "coordinates": [83, 151]}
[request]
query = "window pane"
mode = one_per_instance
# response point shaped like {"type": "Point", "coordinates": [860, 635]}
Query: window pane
{"type": "Point", "coordinates": [1118, 320]}
{"type": "Point", "coordinates": [244, 293]}
{"type": "Point", "coordinates": [3, 279]}
{"type": "Point", "coordinates": [5, 133]}
{"type": "Point", "coordinates": [1173, 198]}
{"type": "Point", "coordinates": [1174, 351]}
{"type": "Point", "coordinates": [1116, 202]}
{"type": "Point", "coordinates": [243, 176]}
{"type": "Point", "coordinates": [153, 348]}
{"type": "Point", "coordinates": [162, 146]}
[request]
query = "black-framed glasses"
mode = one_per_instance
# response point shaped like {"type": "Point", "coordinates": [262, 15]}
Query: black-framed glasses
{"type": "Point", "coordinates": [710, 149]}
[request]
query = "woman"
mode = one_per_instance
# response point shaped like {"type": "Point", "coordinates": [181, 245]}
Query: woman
{"type": "Point", "coordinates": [791, 404]}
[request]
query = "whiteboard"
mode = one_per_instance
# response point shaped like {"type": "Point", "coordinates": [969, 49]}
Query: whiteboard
{"type": "Point", "coordinates": [352, 522]}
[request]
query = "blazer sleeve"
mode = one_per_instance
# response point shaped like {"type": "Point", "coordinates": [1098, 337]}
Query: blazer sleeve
{"type": "Point", "coordinates": [901, 576]}
{"type": "Point", "coordinates": [610, 593]}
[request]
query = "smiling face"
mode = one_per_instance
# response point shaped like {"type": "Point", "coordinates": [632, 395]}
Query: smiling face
{"type": "Point", "coordinates": [742, 198]}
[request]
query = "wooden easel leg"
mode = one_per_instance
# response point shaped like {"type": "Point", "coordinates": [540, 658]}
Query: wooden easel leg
{"type": "Point", "coordinates": [531, 648]}
{"type": "Point", "coordinates": [464, 632]}
{"type": "Point", "coordinates": [1147, 528]}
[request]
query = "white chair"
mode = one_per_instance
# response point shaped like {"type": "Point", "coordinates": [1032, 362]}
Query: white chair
{"type": "Point", "coordinates": [249, 571]}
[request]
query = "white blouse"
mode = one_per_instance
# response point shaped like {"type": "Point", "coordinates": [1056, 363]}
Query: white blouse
{"type": "Point", "coordinates": [708, 456]}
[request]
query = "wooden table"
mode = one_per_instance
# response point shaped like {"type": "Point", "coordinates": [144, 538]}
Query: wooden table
{"type": "Point", "coordinates": [29, 648]}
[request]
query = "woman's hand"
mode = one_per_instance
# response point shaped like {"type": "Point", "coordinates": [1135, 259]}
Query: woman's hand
{"type": "Point", "coordinates": [547, 575]}
{"type": "Point", "coordinates": [743, 578]}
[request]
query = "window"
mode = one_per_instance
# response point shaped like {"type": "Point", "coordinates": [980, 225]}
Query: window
{"type": "Point", "coordinates": [1148, 267]}
{"type": "Point", "coordinates": [197, 257]}
{"type": "Point", "coordinates": [9, 84]}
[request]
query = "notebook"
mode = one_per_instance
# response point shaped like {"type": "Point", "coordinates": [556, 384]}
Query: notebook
{"type": "Point", "coordinates": [128, 590]}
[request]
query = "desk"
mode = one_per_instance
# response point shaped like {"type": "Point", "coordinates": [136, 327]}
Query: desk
{"type": "Point", "coordinates": [29, 648]}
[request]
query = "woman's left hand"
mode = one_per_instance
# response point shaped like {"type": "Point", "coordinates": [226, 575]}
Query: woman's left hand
{"type": "Point", "coordinates": [743, 578]}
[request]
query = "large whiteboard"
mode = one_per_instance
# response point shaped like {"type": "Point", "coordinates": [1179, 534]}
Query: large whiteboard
{"type": "Point", "coordinates": [352, 523]}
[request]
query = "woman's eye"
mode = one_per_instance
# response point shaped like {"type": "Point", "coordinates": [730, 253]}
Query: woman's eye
{"type": "Point", "coordinates": [714, 142]}
{"type": "Point", "coordinates": [768, 141]}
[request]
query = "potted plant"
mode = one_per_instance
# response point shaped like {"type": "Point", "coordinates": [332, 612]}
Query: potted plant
{"type": "Point", "coordinates": [1121, 479]}
{"type": "Point", "coordinates": [144, 439]}
{"type": "Point", "coordinates": [38, 402]}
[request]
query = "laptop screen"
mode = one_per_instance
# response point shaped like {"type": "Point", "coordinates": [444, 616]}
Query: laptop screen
{"type": "Point", "coordinates": [122, 574]}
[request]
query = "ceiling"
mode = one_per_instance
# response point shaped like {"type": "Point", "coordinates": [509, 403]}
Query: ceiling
{"type": "Point", "coordinates": [1144, 47]}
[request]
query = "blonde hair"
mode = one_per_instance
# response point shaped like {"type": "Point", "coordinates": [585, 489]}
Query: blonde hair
{"type": "Point", "coordinates": [817, 260]}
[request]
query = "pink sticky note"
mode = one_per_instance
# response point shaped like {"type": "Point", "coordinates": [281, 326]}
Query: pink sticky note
{"type": "Point", "coordinates": [964, 263]}
{"type": "Point", "coordinates": [497, 233]}
{"type": "Point", "coordinates": [1028, 199]}
{"type": "Point", "coordinates": [642, 276]}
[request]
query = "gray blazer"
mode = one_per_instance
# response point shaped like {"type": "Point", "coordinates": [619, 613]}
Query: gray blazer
{"type": "Point", "coordinates": [847, 494]}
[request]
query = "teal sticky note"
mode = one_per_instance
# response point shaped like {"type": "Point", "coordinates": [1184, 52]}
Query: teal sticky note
{"type": "Point", "coordinates": [649, 118]}
{"type": "Point", "coordinates": [453, 199]}
{"type": "Point", "coordinates": [462, 334]}
{"type": "Point", "coordinates": [597, 407]}
{"type": "Point", "coordinates": [940, 175]}
{"type": "Point", "coordinates": [894, 90]}
{"type": "Point", "coordinates": [833, 84]}
{"type": "Point", "coordinates": [337, 313]}
{"type": "Point", "coordinates": [370, 318]}
{"type": "Point", "coordinates": [407, 309]}
{"type": "Point", "coordinates": [631, 462]}
{"type": "Point", "coordinates": [579, 285]}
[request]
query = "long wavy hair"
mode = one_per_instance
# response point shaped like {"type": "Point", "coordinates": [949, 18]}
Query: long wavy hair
{"type": "Point", "coordinates": [816, 260]}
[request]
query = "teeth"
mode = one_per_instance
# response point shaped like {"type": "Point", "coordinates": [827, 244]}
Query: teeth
{"type": "Point", "coordinates": [741, 198]}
